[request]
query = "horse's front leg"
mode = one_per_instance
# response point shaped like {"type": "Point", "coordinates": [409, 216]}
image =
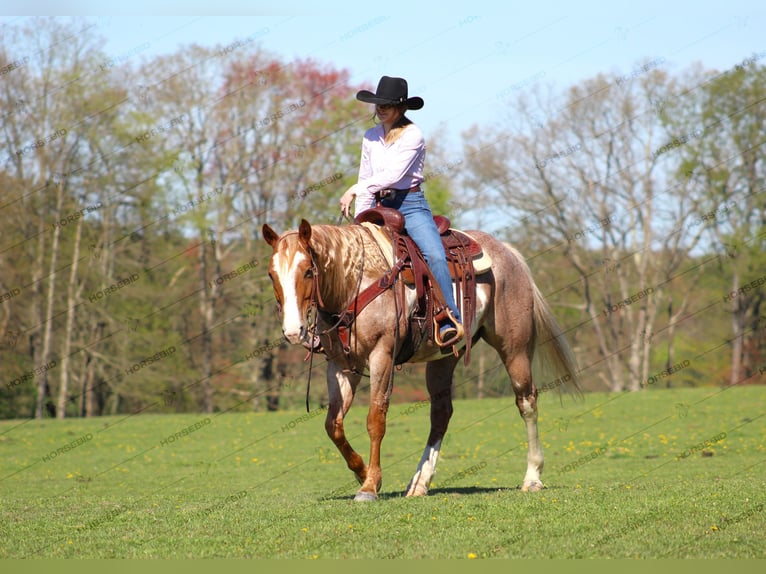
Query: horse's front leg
{"type": "Point", "coordinates": [341, 387]}
{"type": "Point", "coordinates": [381, 365]}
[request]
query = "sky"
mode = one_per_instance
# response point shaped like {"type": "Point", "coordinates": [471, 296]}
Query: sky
{"type": "Point", "coordinates": [468, 60]}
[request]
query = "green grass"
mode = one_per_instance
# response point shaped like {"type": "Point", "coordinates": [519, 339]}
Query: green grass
{"type": "Point", "coordinates": [272, 485]}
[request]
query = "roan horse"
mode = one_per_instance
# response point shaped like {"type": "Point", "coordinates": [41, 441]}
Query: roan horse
{"type": "Point", "coordinates": [326, 266]}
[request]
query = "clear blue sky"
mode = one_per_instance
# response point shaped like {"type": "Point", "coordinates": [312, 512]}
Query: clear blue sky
{"type": "Point", "coordinates": [466, 59]}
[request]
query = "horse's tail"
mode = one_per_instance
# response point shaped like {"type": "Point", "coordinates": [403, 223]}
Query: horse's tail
{"type": "Point", "coordinates": [553, 364]}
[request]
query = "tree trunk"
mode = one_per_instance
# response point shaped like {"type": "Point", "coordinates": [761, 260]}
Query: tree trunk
{"type": "Point", "coordinates": [208, 295]}
{"type": "Point", "coordinates": [43, 389]}
{"type": "Point", "coordinates": [67, 345]}
{"type": "Point", "coordinates": [273, 392]}
{"type": "Point", "coordinates": [613, 376]}
{"type": "Point", "coordinates": [738, 329]}
{"type": "Point", "coordinates": [88, 404]}
{"type": "Point", "coordinates": [672, 321]}
{"type": "Point", "coordinates": [671, 339]}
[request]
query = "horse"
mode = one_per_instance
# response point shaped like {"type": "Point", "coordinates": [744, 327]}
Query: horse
{"type": "Point", "coordinates": [316, 273]}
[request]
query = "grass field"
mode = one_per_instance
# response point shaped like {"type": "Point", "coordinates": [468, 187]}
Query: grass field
{"type": "Point", "coordinates": [662, 473]}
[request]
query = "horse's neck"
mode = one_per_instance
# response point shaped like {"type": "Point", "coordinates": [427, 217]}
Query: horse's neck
{"type": "Point", "coordinates": [340, 259]}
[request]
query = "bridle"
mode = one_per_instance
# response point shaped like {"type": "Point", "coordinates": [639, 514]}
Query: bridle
{"type": "Point", "coordinates": [316, 304]}
{"type": "Point", "coordinates": [347, 316]}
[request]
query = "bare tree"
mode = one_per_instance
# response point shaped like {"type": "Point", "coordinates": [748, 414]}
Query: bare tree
{"type": "Point", "coordinates": [43, 131]}
{"type": "Point", "coordinates": [581, 173]}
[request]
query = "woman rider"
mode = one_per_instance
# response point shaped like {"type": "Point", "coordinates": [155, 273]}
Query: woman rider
{"type": "Point", "coordinates": [392, 167]}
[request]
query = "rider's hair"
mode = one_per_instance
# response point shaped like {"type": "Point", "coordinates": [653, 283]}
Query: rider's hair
{"type": "Point", "coordinates": [396, 130]}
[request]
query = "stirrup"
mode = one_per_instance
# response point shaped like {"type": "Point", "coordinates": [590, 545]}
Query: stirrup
{"type": "Point", "coordinates": [452, 335]}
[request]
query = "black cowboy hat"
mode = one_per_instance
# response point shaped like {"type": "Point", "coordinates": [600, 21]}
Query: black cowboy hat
{"type": "Point", "coordinates": [391, 91]}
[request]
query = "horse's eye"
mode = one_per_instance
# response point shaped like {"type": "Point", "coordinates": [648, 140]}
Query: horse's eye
{"type": "Point", "coordinates": [308, 274]}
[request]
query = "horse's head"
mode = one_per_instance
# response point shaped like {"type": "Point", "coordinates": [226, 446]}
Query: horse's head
{"type": "Point", "coordinates": [292, 275]}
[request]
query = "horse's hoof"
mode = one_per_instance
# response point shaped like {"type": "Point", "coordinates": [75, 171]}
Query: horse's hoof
{"type": "Point", "coordinates": [417, 490]}
{"type": "Point", "coordinates": [364, 496]}
{"type": "Point", "coordinates": [532, 486]}
{"type": "Point", "coordinates": [416, 493]}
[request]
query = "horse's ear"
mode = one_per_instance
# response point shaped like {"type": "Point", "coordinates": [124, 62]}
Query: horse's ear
{"type": "Point", "coordinates": [304, 232]}
{"type": "Point", "coordinates": [269, 234]}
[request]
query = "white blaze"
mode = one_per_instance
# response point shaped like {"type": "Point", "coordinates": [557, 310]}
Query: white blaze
{"type": "Point", "coordinates": [292, 321]}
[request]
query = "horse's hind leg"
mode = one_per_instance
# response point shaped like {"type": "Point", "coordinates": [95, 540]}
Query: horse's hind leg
{"type": "Point", "coordinates": [519, 369]}
{"type": "Point", "coordinates": [439, 381]}
{"type": "Point", "coordinates": [517, 359]}
{"type": "Point", "coordinates": [341, 387]}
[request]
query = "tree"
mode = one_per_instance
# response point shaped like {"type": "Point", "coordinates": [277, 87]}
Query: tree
{"type": "Point", "coordinates": [725, 159]}
{"type": "Point", "coordinates": [581, 173]}
{"type": "Point", "coordinates": [45, 131]}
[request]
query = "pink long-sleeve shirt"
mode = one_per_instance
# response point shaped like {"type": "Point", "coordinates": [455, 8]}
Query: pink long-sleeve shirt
{"type": "Point", "coordinates": [398, 166]}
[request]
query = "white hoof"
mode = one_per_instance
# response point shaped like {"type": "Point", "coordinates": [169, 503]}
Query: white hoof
{"type": "Point", "coordinates": [532, 486]}
{"type": "Point", "coordinates": [417, 490]}
{"type": "Point", "coordinates": [363, 496]}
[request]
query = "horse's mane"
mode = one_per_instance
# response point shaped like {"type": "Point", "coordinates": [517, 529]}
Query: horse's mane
{"type": "Point", "coordinates": [343, 251]}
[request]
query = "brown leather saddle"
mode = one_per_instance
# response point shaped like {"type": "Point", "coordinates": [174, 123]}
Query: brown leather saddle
{"type": "Point", "coordinates": [465, 259]}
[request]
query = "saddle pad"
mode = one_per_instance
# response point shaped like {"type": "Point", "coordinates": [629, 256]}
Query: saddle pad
{"type": "Point", "coordinates": [481, 263]}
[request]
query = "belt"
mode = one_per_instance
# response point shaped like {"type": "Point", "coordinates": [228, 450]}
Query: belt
{"type": "Point", "coordinates": [413, 189]}
{"type": "Point", "coordinates": [390, 193]}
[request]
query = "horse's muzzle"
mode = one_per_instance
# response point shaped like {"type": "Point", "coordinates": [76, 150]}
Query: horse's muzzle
{"type": "Point", "coordinates": [296, 337]}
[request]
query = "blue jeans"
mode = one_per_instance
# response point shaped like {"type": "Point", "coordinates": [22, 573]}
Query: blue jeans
{"type": "Point", "coordinates": [419, 223]}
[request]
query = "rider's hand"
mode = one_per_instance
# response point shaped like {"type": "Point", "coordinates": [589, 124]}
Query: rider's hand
{"type": "Point", "coordinates": [347, 200]}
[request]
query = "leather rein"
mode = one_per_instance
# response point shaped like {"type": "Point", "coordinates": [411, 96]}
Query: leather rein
{"type": "Point", "coordinates": [344, 320]}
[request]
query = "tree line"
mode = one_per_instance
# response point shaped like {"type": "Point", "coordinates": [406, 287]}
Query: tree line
{"type": "Point", "coordinates": [134, 189]}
